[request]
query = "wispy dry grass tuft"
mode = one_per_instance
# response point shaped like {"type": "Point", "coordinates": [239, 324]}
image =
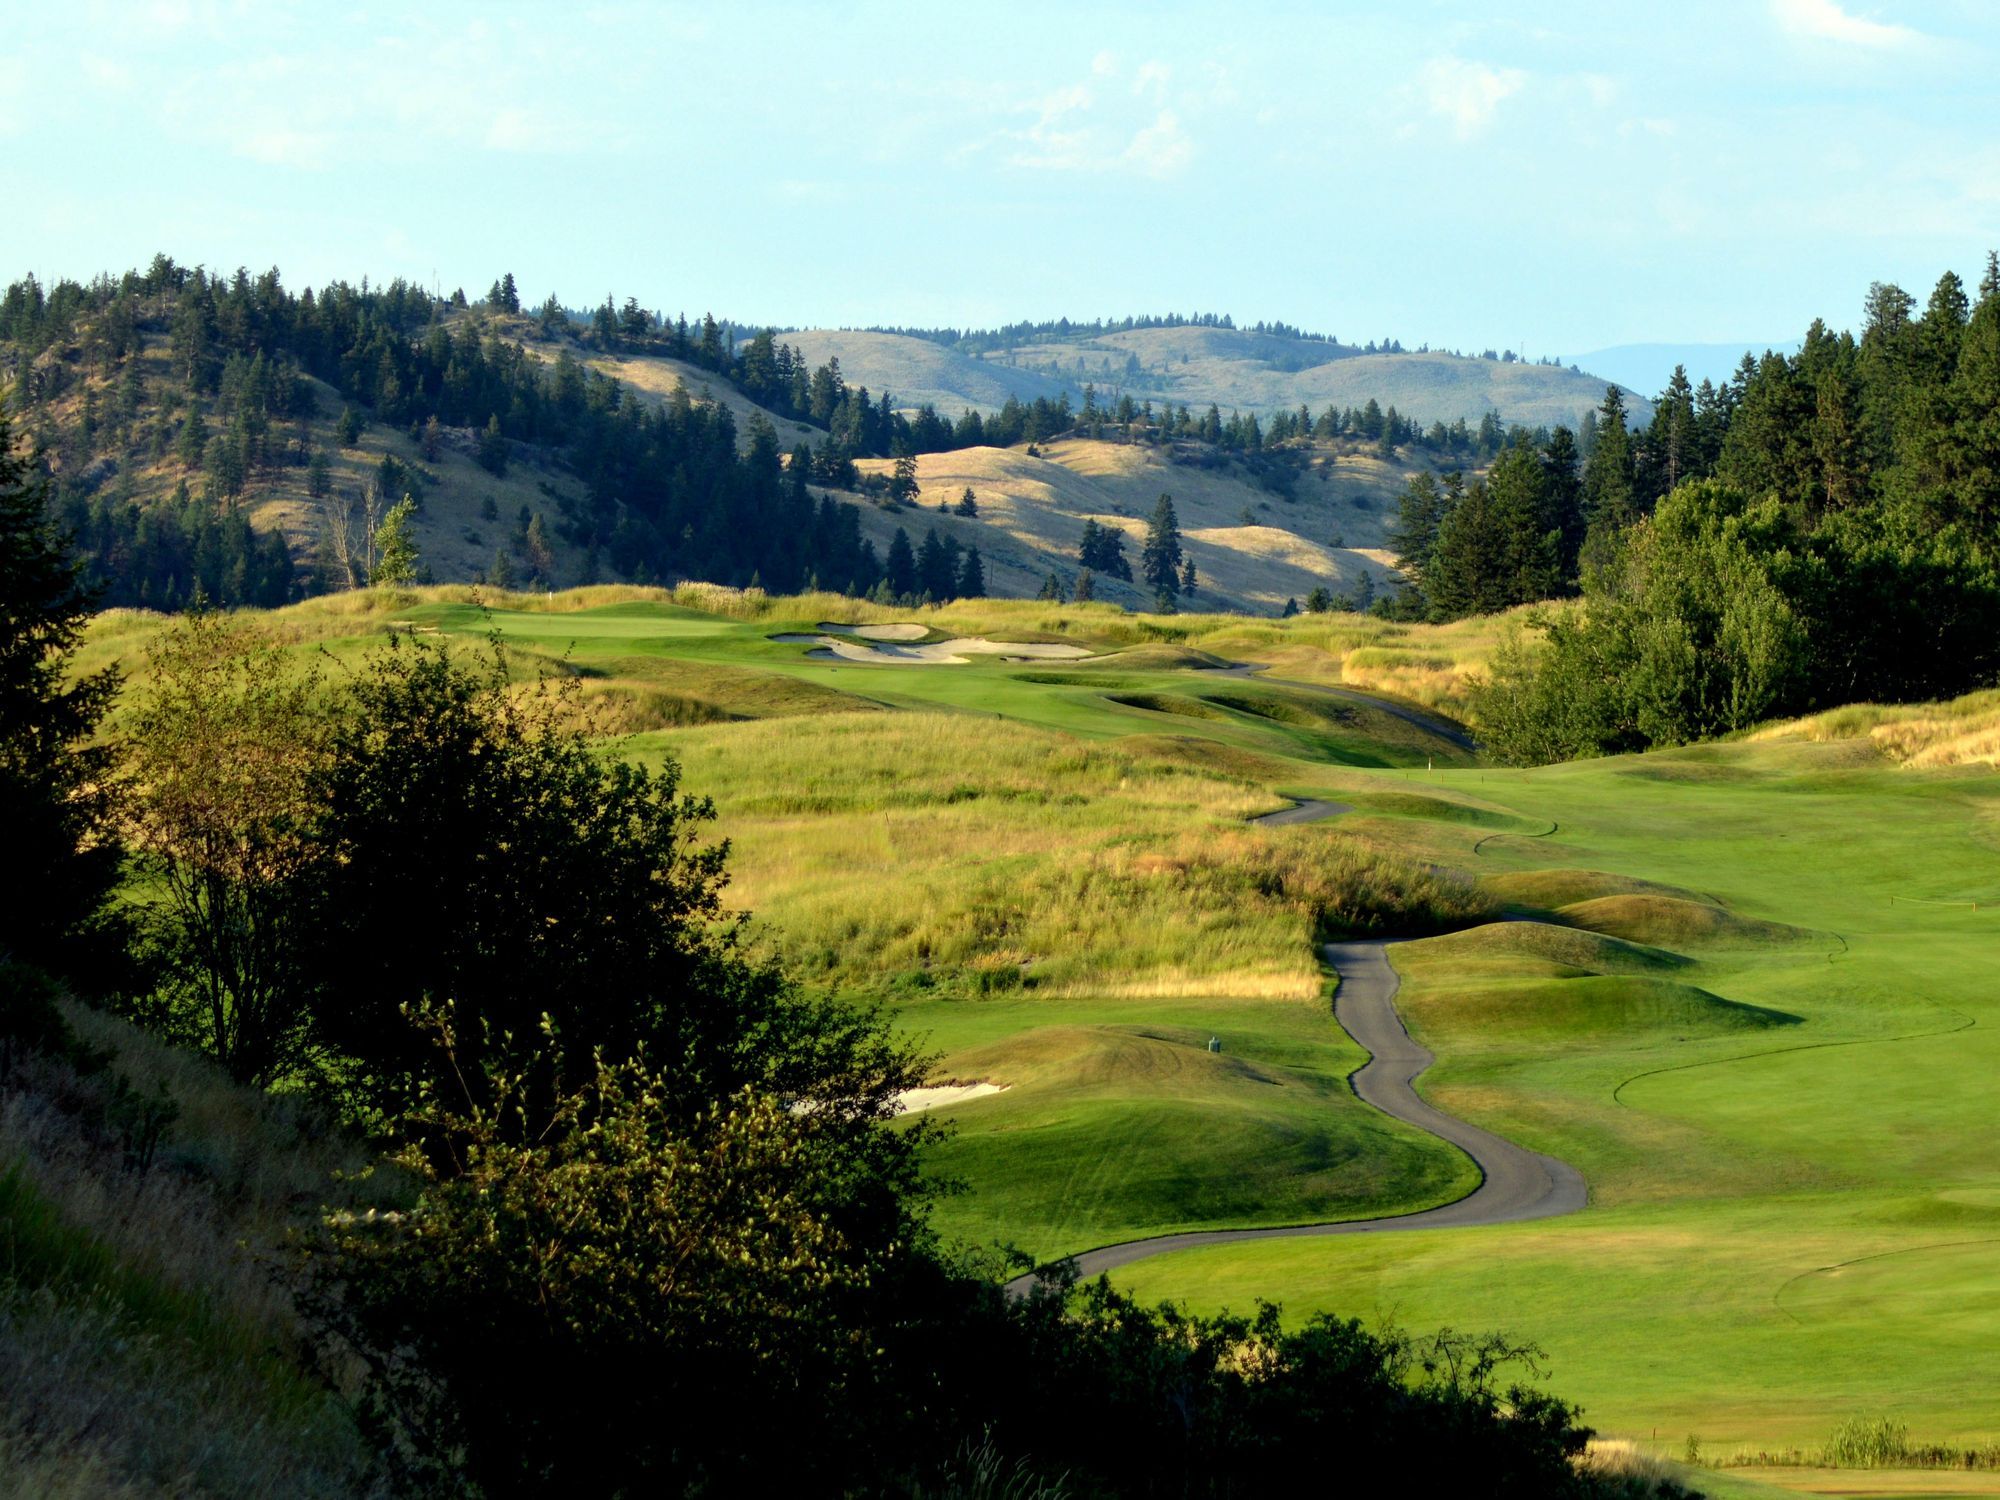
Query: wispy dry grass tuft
{"type": "Point", "coordinates": [146, 1346]}
{"type": "Point", "coordinates": [1962, 732]}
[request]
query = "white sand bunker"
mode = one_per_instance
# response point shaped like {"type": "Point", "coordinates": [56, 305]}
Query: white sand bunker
{"type": "Point", "coordinates": [875, 632]}
{"type": "Point", "coordinates": [897, 651]}
{"type": "Point", "coordinates": [915, 1101]}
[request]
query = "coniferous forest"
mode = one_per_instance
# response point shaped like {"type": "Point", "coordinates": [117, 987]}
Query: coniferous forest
{"type": "Point", "coordinates": [1823, 529]}
{"type": "Point", "coordinates": [255, 373]}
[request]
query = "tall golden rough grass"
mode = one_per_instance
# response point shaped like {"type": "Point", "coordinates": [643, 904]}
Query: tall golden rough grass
{"type": "Point", "coordinates": [942, 852]}
{"type": "Point", "coordinates": [146, 1345]}
{"type": "Point", "coordinates": [1962, 732]}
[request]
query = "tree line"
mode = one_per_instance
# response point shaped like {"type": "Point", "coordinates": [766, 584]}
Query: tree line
{"type": "Point", "coordinates": [1823, 529]}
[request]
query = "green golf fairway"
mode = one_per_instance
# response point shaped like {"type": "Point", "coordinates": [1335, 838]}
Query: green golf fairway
{"type": "Point", "coordinates": [1755, 1003]}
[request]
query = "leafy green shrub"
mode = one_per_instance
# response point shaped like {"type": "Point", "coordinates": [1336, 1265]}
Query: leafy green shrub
{"type": "Point", "coordinates": [627, 1299]}
{"type": "Point", "coordinates": [1719, 612]}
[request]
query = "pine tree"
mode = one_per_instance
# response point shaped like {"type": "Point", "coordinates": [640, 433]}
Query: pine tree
{"type": "Point", "coordinates": [493, 448]}
{"type": "Point", "coordinates": [62, 856]}
{"type": "Point", "coordinates": [900, 571]}
{"type": "Point", "coordinates": [1319, 601]}
{"type": "Point", "coordinates": [396, 546]}
{"type": "Point", "coordinates": [1189, 578]}
{"type": "Point", "coordinates": [536, 552]}
{"type": "Point", "coordinates": [1670, 440]}
{"type": "Point", "coordinates": [1607, 474]}
{"type": "Point", "coordinates": [1087, 552]}
{"type": "Point", "coordinates": [319, 475]}
{"type": "Point", "coordinates": [1563, 480]}
{"type": "Point", "coordinates": [348, 430]}
{"type": "Point", "coordinates": [1529, 530]}
{"type": "Point", "coordinates": [936, 574]}
{"type": "Point", "coordinates": [1975, 402]}
{"type": "Point", "coordinates": [1473, 569]}
{"type": "Point", "coordinates": [972, 581]}
{"type": "Point", "coordinates": [1414, 531]}
{"type": "Point", "coordinates": [1052, 590]}
{"type": "Point", "coordinates": [1160, 559]}
{"type": "Point", "coordinates": [968, 503]}
{"type": "Point", "coordinates": [192, 444]}
{"type": "Point", "coordinates": [1086, 586]}
{"type": "Point", "coordinates": [903, 488]}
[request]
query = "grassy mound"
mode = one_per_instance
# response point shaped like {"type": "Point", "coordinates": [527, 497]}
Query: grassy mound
{"type": "Point", "coordinates": [1211, 757]}
{"type": "Point", "coordinates": [1169, 703]}
{"type": "Point", "coordinates": [1111, 1131]}
{"type": "Point", "coordinates": [1439, 809]}
{"type": "Point", "coordinates": [1588, 1011]}
{"type": "Point", "coordinates": [1548, 890]}
{"type": "Point", "coordinates": [1109, 1057]}
{"type": "Point", "coordinates": [1500, 944]}
{"type": "Point", "coordinates": [1675, 921]}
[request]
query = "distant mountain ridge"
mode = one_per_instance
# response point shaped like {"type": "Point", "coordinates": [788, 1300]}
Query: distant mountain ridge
{"type": "Point", "coordinates": [1199, 365]}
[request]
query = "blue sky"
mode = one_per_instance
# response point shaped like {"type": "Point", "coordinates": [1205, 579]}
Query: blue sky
{"type": "Point", "coordinates": [1552, 177]}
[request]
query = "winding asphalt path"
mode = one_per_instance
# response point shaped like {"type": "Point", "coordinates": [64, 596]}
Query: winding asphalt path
{"type": "Point", "coordinates": [1311, 810]}
{"type": "Point", "coordinates": [1515, 1184]}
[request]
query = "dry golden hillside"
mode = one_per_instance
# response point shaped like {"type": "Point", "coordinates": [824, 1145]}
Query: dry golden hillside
{"type": "Point", "coordinates": [654, 379]}
{"type": "Point", "coordinates": [1253, 549]}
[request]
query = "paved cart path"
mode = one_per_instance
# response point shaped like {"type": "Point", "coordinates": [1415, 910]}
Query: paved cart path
{"type": "Point", "coordinates": [1516, 1183]}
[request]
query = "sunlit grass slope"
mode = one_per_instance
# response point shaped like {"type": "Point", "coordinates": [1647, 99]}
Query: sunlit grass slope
{"type": "Point", "coordinates": [1771, 1065]}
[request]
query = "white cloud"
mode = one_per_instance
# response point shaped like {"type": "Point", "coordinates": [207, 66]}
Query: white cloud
{"type": "Point", "coordinates": [1467, 93]}
{"type": "Point", "coordinates": [308, 149]}
{"type": "Point", "coordinates": [1050, 143]}
{"type": "Point", "coordinates": [1070, 133]}
{"type": "Point", "coordinates": [1823, 20]}
{"type": "Point", "coordinates": [513, 128]}
{"type": "Point", "coordinates": [105, 72]}
{"type": "Point", "coordinates": [1104, 64]}
{"type": "Point", "coordinates": [1162, 148]}
{"type": "Point", "coordinates": [1153, 77]}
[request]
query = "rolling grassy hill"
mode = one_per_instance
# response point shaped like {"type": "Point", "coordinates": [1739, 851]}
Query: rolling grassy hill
{"type": "Point", "coordinates": [1253, 548]}
{"type": "Point", "coordinates": [1232, 368]}
{"type": "Point", "coordinates": [1254, 545]}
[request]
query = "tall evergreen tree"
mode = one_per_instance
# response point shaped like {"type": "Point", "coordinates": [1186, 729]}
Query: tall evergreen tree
{"type": "Point", "coordinates": [972, 580]}
{"type": "Point", "coordinates": [1160, 559]}
{"type": "Point", "coordinates": [900, 569]}
{"type": "Point", "coordinates": [1472, 571]}
{"type": "Point", "coordinates": [1667, 454]}
{"type": "Point", "coordinates": [1975, 406]}
{"type": "Point", "coordinates": [1529, 552]}
{"type": "Point", "coordinates": [396, 546]}
{"type": "Point", "coordinates": [1565, 498]}
{"type": "Point", "coordinates": [1608, 506]}
{"type": "Point", "coordinates": [1413, 533]}
{"type": "Point", "coordinates": [62, 854]}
